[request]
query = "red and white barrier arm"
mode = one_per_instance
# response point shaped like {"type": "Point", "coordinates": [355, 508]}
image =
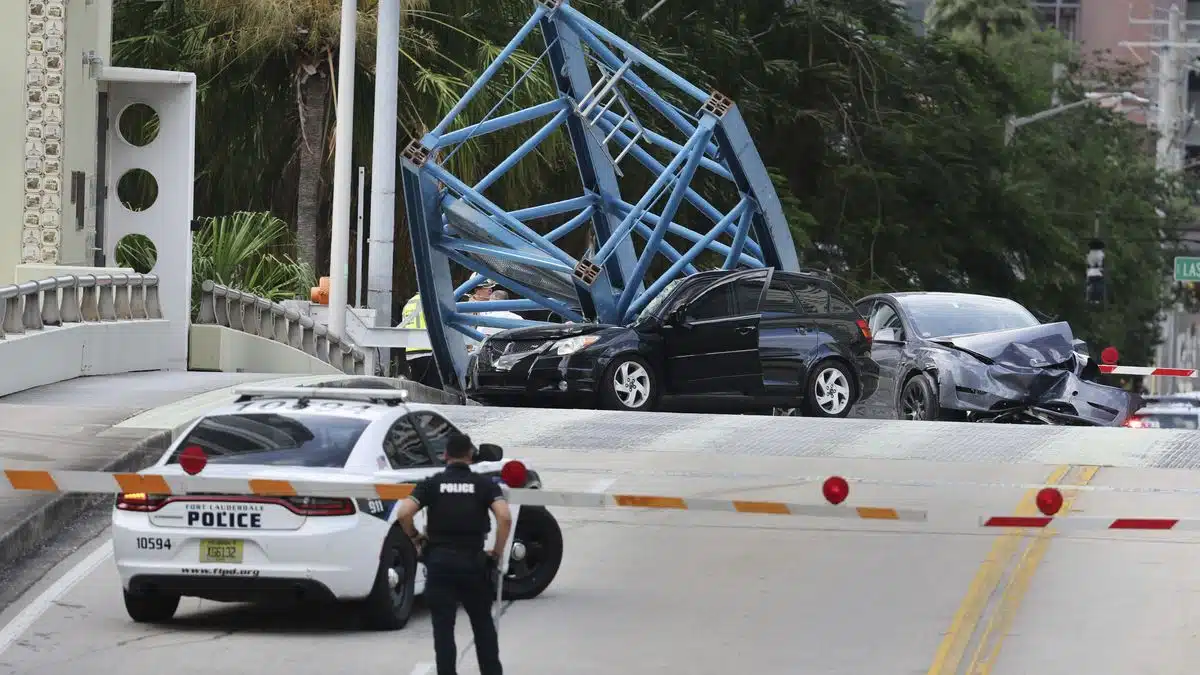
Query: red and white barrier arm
{"type": "Point", "coordinates": [1149, 370]}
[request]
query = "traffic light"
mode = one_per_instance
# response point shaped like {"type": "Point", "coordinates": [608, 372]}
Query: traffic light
{"type": "Point", "coordinates": [1095, 273]}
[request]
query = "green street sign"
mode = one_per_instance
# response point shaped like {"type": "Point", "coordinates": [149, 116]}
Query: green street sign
{"type": "Point", "coordinates": [1187, 268]}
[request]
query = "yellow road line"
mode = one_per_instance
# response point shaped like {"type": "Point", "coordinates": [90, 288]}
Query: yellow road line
{"type": "Point", "coordinates": [1018, 585]}
{"type": "Point", "coordinates": [954, 643]}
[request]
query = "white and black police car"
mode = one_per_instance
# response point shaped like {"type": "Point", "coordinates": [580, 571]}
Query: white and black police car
{"type": "Point", "coordinates": [230, 548]}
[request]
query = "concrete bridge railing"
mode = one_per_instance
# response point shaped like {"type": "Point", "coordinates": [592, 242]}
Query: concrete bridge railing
{"type": "Point", "coordinates": [75, 325]}
{"type": "Point", "coordinates": [34, 305]}
{"type": "Point", "coordinates": [258, 316]}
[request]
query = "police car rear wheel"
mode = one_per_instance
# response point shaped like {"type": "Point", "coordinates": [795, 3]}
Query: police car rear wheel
{"type": "Point", "coordinates": [390, 603]}
{"type": "Point", "coordinates": [536, 556]}
{"type": "Point", "coordinates": [151, 607]}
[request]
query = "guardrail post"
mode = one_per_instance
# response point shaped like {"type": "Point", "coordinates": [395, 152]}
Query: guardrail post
{"type": "Point", "coordinates": [249, 313]}
{"type": "Point", "coordinates": [91, 299]}
{"type": "Point", "coordinates": [51, 315]}
{"type": "Point", "coordinates": [106, 305]}
{"type": "Point", "coordinates": [208, 311]}
{"type": "Point", "coordinates": [295, 334]}
{"type": "Point", "coordinates": [321, 343]}
{"type": "Point", "coordinates": [32, 316]}
{"type": "Point", "coordinates": [13, 307]}
{"type": "Point", "coordinates": [282, 332]}
{"type": "Point", "coordinates": [121, 298]}
{"type": "Point", "coordinates": [236, 315]}
{"type": "Point", "coordinates": [137, 298]}
{"type": "Point", "coordinates": [153, 309]}
{"type": "Point", "coordinates": [308, 340]}
{"type": "Point", "coordinates": [70, 302]}
{"type": "Point", "coordinates": [265, 318]}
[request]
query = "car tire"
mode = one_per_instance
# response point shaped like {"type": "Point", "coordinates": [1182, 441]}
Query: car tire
{"type": "Point", "coordinates": [540, 554]}
{"type": "Point", "coordinates": [629, 384]}
{"type": "Point", "coordinates": [151, 607]}
{"type": "Point", "coordinates": [918, 400]}
{"type": "Point", "coordinates": [830, 390]}
{"type": "Point", "coordinates": [388, 607]}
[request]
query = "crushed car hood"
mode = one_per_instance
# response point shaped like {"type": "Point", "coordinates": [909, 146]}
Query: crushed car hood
{"type": "Point", "coordinates": [1030, 373]}
{"type": "Point", "coordinates": [1034, 347]}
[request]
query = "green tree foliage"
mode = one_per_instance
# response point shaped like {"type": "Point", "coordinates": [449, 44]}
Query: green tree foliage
{"type": "Point", "coordinates": [887, 148]}
{"type": "Point", "coordinates": [980, 20]}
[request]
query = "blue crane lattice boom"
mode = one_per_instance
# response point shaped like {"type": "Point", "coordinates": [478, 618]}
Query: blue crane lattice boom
{"type": "Point", "coordinates": [453, 222]}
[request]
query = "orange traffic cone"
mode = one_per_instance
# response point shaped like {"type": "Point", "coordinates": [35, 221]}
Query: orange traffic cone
{"type": "Point", "coordinates": [320, 294]}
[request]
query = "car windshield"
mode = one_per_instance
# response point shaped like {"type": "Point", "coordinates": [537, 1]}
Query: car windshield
{"type": "Point", "coordinates": [942, 315]}
{"type": "Point", "coordinates": [275, 440]}
{"type": "Point", "coordinates": [652, 308]}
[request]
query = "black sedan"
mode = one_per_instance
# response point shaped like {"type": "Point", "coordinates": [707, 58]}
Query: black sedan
{"type": "Point", "coordinates": [957, 356]}
{"type": "Point", "coordinates": [782, 339]}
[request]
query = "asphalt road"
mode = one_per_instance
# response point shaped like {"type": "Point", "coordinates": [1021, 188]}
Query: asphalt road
{"type": "Point", "coordinates": [671, 592]}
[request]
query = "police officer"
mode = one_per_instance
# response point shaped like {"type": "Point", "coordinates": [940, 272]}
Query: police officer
{"type": "Point", "coordinates": [458, 501]}
{"type": "Point", "coordinates": [421, 367]}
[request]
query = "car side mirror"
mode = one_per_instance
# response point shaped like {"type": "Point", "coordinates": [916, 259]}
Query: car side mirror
{"type": "Point", "coordinates": [489, 452]}
{"type": "Point", "coordinates": [887, 335]}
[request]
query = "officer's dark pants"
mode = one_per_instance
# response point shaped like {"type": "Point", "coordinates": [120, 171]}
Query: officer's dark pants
{"type": "Point", "coordinates": [423, 369]}
{"type": "Point", "coordinates": [461, 577]}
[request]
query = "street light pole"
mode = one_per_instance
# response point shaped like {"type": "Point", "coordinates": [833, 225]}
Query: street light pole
{"type": "Point", "coordinates": [1013, 123]}
{"type": "Point", "coordinates": [339, 248]}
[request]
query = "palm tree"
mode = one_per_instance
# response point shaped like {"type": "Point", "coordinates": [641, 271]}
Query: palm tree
{"type": "Point", "coordinates": [980, 19]}
{"type": "Point", "coordinates": [305, 35]}
{"type": "Point", "coordinates": [260, 86]}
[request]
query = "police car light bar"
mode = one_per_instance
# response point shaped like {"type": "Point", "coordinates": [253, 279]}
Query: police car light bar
{"type": "Point", "coordinates": [337, 393]}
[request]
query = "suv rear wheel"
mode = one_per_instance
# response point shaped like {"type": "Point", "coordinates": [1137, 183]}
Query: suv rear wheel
{"type": "Point", "coordinates": [830, 391]}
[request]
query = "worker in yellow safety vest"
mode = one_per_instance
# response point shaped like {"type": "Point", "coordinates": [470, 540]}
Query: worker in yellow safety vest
{"type": "Point", "coordinates": [421, 367]}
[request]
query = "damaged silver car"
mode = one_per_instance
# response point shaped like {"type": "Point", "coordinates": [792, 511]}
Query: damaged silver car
{"type": "Point", "coordinates": [957, 356]}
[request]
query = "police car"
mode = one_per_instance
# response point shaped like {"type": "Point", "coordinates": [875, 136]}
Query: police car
{"type": "Point", "coordinates": [230, 548]}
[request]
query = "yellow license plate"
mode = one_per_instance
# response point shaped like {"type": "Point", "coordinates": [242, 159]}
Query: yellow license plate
{"type": "Point", "coordinates": [221, 551]}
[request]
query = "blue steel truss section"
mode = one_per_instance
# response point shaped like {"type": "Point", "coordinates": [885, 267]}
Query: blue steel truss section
{"type": "Point", "coordinates": [453, 222]}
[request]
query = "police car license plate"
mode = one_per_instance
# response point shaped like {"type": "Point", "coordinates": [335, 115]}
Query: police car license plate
{"type": "Point", "coordinates": [221, 551]}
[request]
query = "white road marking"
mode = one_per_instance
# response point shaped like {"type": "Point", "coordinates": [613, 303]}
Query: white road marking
{"type": "Point", "coordinates": [63, 585]}
{"type": "Point", "coordinates": [423, 669]}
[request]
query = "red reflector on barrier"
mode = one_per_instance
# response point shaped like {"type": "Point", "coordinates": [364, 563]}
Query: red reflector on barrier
{"type": "Point", "coordinates": [835, 489]}
{"type": "Point", "coordinates": [514, 474]}
{"type": "Point", "coordinates": [193, 460]}
{"type": "Point", "coordinates": [1049, 501]}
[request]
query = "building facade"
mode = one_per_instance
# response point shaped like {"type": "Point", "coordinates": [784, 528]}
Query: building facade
{"type": "Point", "coordinates": [48, 183]}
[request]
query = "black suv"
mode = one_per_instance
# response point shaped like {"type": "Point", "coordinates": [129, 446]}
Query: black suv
{"type": "Point", "coordinates": [785, 339]}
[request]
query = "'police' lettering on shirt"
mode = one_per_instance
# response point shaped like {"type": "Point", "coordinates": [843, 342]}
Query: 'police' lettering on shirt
{"type": "Point", "coordinates": [458, 488]}
{"type": "Point", "coordinates": [223, 519]}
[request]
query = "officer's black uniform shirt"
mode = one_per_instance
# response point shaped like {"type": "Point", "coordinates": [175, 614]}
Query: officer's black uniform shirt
{"type": "Point", "coordinates": [457, 502]}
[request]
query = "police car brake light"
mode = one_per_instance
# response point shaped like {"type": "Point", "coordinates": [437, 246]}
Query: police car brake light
{"type": "Point", "coordinates": [320, 506]}
{"type": "Point", "coordinates": [140, 501]}
{"type": "Point", "coordinates": [514, 474]}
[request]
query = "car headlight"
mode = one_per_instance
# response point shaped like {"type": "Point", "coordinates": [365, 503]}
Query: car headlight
{"type": "Point", "coordinates": [572, 345]}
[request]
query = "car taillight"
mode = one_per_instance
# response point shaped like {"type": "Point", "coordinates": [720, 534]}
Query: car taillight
{"type": "Point", "coordinates": [1135, 423]}
{"type": "Point", "coordinates": [866, 330]}
{"type": "Point", "coordinates": [320, 506]}
{"type": "Point", "coordinates": [140, 501]}
{"type": "Point", "coordinates": [514, 474]}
